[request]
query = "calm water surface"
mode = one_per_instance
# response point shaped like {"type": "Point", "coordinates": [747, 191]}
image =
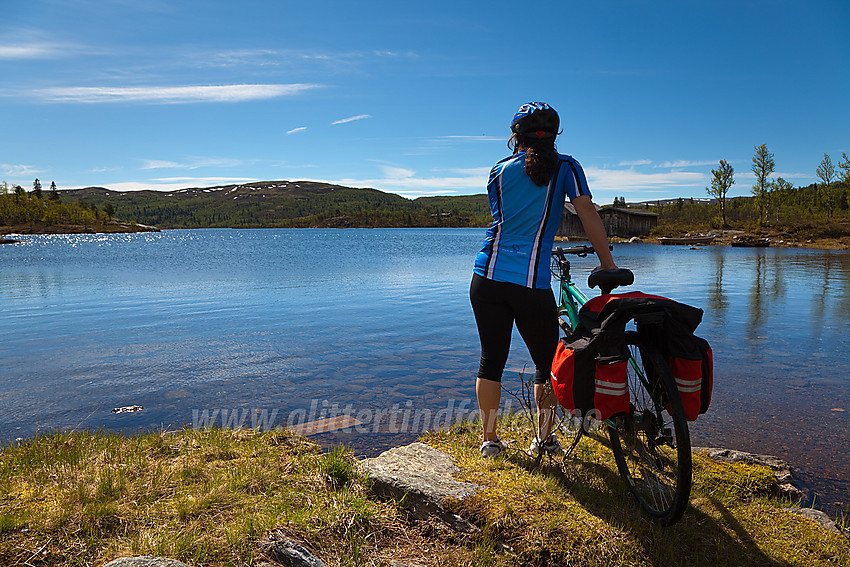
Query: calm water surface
{"type": "Point", "coordinates": [298, 324]}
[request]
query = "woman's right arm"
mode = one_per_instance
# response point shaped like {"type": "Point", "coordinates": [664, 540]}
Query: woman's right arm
{"type": "Point", "coordinates": [595, 231]}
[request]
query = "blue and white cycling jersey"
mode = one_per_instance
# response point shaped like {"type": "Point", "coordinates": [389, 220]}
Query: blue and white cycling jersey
{"type": "Point", "coordinates": [525, 219]}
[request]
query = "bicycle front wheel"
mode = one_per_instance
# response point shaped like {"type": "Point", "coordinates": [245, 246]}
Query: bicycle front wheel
{"type": "Point", "coordinates": [651, 445]}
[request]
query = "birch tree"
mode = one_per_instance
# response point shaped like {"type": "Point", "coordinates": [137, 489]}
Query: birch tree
{"type": "Point", "coordinates": [763, 166]}
{"type": "Point", "coordinates": [721, 182]}
{"type": "Point", "coordinates": [780, 192]}
{"type": "Point", "coordinates": [826, 173]}
{"type": "Point", "coordinates": [844, 166]}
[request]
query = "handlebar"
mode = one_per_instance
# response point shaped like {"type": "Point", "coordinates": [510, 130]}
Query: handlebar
{"type": "Point", "coordinates": [607, 280]}
{"type": "Point", "coordinates": [581, 251]}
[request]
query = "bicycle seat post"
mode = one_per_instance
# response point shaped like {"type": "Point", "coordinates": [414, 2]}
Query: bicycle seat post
{"type": "Point", "coordinates": [650, 324]}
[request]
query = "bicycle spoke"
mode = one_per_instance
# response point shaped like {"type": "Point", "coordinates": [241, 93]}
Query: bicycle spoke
{"type": "Point", "coordinates": [651, 445]}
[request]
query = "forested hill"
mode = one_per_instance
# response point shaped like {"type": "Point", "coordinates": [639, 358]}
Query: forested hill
{"type": "Point", "coordinates": [283, 204]}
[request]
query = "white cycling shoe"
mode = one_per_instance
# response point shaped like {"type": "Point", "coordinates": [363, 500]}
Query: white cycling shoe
{"type": "Point", "coordinates": [551, 445]}
{"type": "Point", "coordinates": [493, 449]}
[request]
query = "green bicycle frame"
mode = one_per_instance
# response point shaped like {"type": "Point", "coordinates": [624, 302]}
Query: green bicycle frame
{"type": "Point", "coordinates": [571, 299]}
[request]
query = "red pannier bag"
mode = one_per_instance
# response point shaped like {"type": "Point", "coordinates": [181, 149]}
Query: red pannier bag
{"type": "Point", "coordinates": [588, 383]}
{"type": "Point", "coordinates": [688, 356]}
{"type": "Point", "coordinates": [693, 370]}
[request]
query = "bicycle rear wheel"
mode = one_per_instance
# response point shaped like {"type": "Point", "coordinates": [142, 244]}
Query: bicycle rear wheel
{"type": "Point", "coordinates": [652, 446]}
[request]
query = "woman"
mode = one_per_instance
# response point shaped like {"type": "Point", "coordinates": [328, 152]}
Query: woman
{"type": "Point", "coordinates": [511, 279]}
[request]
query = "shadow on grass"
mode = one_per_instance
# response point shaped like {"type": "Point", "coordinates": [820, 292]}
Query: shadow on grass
{"type": "Point", "coordinates": [708, 536]}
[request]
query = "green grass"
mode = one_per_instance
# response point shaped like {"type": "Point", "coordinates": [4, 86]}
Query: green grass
{"type": "Point", "coordinates": [208, 497]}
{"type": "Point", "coordinates": [203, 497]}
{"type": "Point", "coordinates": [578, 513]}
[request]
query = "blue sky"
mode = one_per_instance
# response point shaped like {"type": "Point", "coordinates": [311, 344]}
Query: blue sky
{"type": "Point", "coordinates": [415, 98]}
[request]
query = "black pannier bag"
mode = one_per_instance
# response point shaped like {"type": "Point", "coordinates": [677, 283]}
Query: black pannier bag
{"type": "Point", "coordinates": [589, 371]}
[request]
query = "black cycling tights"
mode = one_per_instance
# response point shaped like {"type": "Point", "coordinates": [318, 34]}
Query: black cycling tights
{"type": "Point", "coordinates": [497, 306]}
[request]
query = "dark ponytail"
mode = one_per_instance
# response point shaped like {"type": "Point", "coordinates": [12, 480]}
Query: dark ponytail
{"type": "Point", "coordinates": [541, 157]}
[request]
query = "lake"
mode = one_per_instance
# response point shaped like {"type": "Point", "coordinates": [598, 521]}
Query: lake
{"type": "Point", "coordinates": [259, 327]}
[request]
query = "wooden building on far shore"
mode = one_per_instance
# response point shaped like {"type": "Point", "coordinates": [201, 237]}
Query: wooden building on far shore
{"type": "Point", "coordinates": [623, 223]}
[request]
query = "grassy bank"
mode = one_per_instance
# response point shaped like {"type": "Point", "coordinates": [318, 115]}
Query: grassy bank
{"type": "Point", "coordinates": [208, 497]}
{"type": "Point", "coordinates": [834, 236]}
{"type": "Point", "coordinates": [776, 241]}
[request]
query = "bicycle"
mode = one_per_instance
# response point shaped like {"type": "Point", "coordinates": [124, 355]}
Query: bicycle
{"type": "Point", "coordinates": [651, 443]}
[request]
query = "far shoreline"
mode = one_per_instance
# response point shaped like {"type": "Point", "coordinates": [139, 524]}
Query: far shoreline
{"type": "Point", "coordinates": [10, 234]}
{"type": "Point", "coordinates": [110, 227]}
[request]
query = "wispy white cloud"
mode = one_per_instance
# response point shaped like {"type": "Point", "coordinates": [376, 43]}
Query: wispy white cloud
{"type": "Point", "coordinates": [160, 164]}
{"type": "Point", "coordinates": [791, 175]}
{"type": "Point", "coordinates": [418, 186]}
{"type": "Point", "coordinates": [22, 47]}
{"type": "Point", "coordinates": [204, 181]}
{"type": "Point", "coordinates": [630, 180]}
{"type": "Point", "coordinates": [287, 58]}
{"type": "Point", "coordinates": [351, 119]}
{"type": "Point", "coordinates": [685, 163]}
{"type": "Point", "coordinates": [240, 57]}
{"type": "Point", "coordinates": [296, 130]}
{"type": "Point", "coordinates": [29, 51]}
{"type": "Point", "coordinates": [18, 169]}
{"type": "Point", "coordinates": [410, 183]}
{"type": "Point", "coordinates": [191, 163]}
{"type": "Point", "coordinates": [171, 95]}
{"type": "Point", "coordinates": [393, 172]}
{"type": "Point", "coordinates": [635, 162]}
{"type": "Point", "coordinates": [388, 53]}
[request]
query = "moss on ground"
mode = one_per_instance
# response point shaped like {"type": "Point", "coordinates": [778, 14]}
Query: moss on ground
{"type": "Point", "coordinates": [208, 497]}
{"type": "Point", "coordinates": [578, 512]}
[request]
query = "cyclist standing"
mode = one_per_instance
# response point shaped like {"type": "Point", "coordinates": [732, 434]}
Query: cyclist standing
{"type": "Point", "coordinates": [511, 282]}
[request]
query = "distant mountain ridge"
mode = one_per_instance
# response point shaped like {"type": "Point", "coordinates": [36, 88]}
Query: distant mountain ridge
{"type": "Point", "coordinates": [269, 204]}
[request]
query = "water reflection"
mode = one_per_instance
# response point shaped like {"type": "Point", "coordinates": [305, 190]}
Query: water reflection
{"type": "Point", "coordinates": [757, 305]}
{"type": "Point", "coordinates": [798, 291]}
{"type": "Point", "coordinates": [777, 321]}
{"type": "Point", "coordinates": [717, 301]}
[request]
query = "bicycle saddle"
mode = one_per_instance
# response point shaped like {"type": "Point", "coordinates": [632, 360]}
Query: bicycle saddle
{"type": "Point", "coordinates": [609, 279]}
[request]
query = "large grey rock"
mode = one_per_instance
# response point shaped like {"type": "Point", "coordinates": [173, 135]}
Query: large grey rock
{"type": "Point", "coordinates": [820, 517]}
{"type": "Point", "coordinates": [420, 477]}
{"type": "Point", "coordinates": [782, 471]}
{"type": "Point", "coordinates": [145, 561]}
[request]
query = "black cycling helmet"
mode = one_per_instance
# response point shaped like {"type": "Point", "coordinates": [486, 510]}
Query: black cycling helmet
{"type": "Point", "coordinates": [536, 120]}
